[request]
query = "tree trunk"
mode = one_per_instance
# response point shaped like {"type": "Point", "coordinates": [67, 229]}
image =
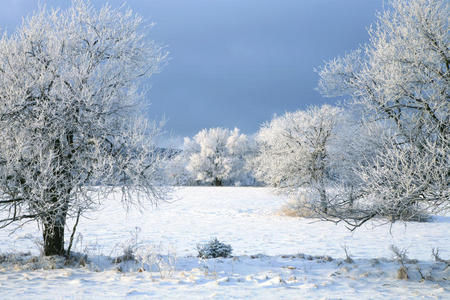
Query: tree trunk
{"type": "Point", "coordinates": [322, 190]}
{"type": "Point", "coordinates": [54, 238]}
{"type": "Point", "coordinates": [217, 182]}
{"type": "Point", "coordinates": [59, 193]}
{"type": "Point", "coordinates": [351, 198]}
{"type": "Point", "coordinates": [323, 201]}
{"type": "Point", "coordinates": [53, 227]}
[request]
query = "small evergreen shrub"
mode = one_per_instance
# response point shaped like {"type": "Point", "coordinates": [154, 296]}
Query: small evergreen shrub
{"type": "Point", "coordinates": [214, 249]}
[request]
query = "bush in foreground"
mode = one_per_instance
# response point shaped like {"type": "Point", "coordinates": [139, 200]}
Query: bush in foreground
{"type": "Point", "coordinates": [213, 249]}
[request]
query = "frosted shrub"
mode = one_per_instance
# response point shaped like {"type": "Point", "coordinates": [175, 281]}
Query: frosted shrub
{"type": "Point", "coordinates": [130, 247]}
{"type": "Point", "coordinates": [214, 248]}
{"type": "Point", "coordinates": [150, 259]}
{"type": "Point", "coordinates": [299, 206]}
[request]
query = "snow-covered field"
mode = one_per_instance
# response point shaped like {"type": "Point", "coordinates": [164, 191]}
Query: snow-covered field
{"type": "Point", "coordinates": [275, 256]}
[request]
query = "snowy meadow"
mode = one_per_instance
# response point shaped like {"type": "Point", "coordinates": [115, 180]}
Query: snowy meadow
{"type": "Point", "coordinates": [274, 256]}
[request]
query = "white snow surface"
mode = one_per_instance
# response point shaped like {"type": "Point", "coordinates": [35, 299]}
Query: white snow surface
{"type": "Point", "coordinates": [267, 263]}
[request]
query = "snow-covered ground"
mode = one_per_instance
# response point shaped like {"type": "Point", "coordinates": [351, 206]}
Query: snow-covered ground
{"type": "Point", "coordinates": [268, 249]}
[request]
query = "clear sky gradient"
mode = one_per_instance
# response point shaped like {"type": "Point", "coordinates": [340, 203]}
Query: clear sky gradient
{"type": "Point", "coordinates": [235, 63]}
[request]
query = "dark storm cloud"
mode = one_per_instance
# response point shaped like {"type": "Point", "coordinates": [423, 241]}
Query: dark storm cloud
{"type": "Point", "coordinates": [237, 62]}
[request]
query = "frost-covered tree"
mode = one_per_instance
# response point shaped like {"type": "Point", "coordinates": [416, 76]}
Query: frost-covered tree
{"type": "Point", "coordinates": [402, 76]}
{"type": "Point", "coordinates": [69, 84]}
{"type": "Point", "coordinates": [301, 150]}
{"type": "Point", "coordinates": [217, 156]}
{"type": "Point", "coordinates": [176, 172]}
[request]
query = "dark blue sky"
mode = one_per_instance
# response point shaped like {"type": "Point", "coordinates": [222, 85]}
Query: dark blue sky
{"type": "Point", "coordinates": [235, 63]}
